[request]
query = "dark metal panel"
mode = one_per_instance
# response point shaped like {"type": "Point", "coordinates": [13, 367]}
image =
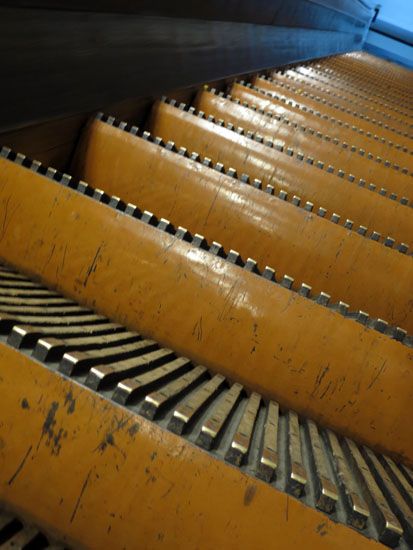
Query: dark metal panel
{"type": "Point", "coordinates": [314, 15]}
{"type": "Point", "coordinates": [359, 9]}
{"type": "Point", "coordinates": [59, 63]}
{"type": "Point", "coordinates": [280, 12]}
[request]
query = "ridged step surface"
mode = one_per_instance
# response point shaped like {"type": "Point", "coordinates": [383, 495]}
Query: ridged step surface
{"type": "Point", "coordinates": [351, 483]}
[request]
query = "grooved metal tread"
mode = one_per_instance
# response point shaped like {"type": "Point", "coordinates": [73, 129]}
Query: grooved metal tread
{"type": "Point", "coordinates": [355, 486]}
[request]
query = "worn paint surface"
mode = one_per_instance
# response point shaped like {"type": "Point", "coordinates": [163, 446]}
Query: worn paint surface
{"type": "Point", "coordinates": [332, 112]}
{"type": "Point", "coordinates": [363, 113]}
{"type": "Point", "coordinates": [305, 84]}
{"type": "Point", "coordinates": [320, 149]}
{"type": "Point", "coordinates": [310, 249]}
{"type": "Point", "coordinates": [352, 137]}
{"type": "Point", "coordinates": [369, 92]}
{"type": "Point", "coordinates": [374, 74]}
{"type": "Point", "coordinates": [272, 167]}
{"type": "Point", "coordinates": [105, 478]}
{"type": "Point", "coordinates": [262, 335]}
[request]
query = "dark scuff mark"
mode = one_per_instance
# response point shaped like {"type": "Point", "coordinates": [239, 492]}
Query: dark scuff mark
{"type": "Point", "coordinates": [134, 429]}
{"type": "Point", "coordinates": [319, 379]}
{"type": "Point", "coordinates": [172, 485]}
{"type": "Point", "coordinates": [56, 441]}
{"type": "Point", "coordinates": [321, 529]}
{"type": "Point", "coordinates": [7, 218]}
{"type": "Point", "coordinates": [70, 402]}
{"type": "Point", "coordinates": [249, 494]}
{"type": "Point", "coordinates": [25, 404]}
{"type": "Point", "coordinates": [50, 256]}
{"type": "Point", "coordinates": [50, 421]}
{"type": "Point", "coordinates": [286, 508]}
{"type": "Point", "coordinates": [21, 465]}
{"type": "Point", "coordinates": [63, 258]}
{"type": "Point", "coordinates": [212, 205]}
{"type": "Point", "coordinates": [197, 330]}
{"type": "Point", "coordinates": [107, 440]}
{"type": "Point", "coordinates": [48, 430]}
{"type": "Point", "coordinates": [326, 390]}
{"type": "Point", "coordinates": [4, 224]}
{"type": "Point", "coordinates": [169, 246]}
{"type": "Point", "coordinates": [79, 498]}
{"type": "Point", "coordinates": [230, 302]}
{"type": "Point", "coordinates": [92, 266]}
{"type": "Point", "coordinates": [376, 376]}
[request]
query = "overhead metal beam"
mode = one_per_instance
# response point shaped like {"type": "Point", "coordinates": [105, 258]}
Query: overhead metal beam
{"type": "Point", "coordinates": [57, 63]}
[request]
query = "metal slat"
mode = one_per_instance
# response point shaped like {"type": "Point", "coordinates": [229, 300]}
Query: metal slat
{"type": "Point", "coordinates": [408, 473]}
{"type": "Point", "coordinates": [75, 362]}
{"type": "Point", "coordinates": [297, 475]}
{"type": "Point", "coordinates": [42, 310]}
{"type": "Point", "coordinates": [27, 335]}
{"type": "Point", "coordinates": [216, 419]}
{"type": "Point", "coordinates": [357, 509]}
{"type": "Point", "coordinates": [160, 375]}
{"type": "Point", "coordinates": [19, 284]}
{"type": "Point", "coordinates": [7, 321]}
{"type": "Point", "coordinates": [326, 491]}
{"type": "Point", "coordinates": [388, 528]}
{"type": "Point", "coordinates": [241, 441]}
{"type": "Point", "coordinates": [11, 275]}
{"type": "Point", "coordinates": [29, 301]}
{"type": "Point", "coordinates": [187, 410]}
{"type": "Point", "coordinates": [398, 504]}
{"type": "Point", "coordinates": [399, 479]}
{"type": "Point", "coordinates": [268, 457]}
{"type": "Point", "coordinates": [27, 292]}
{"type": "Point", "coordinates": [48, 349]}
{"type": "Point", "coordinates": [102, 375]}
{"type": "Point", "coordinates": [157, 400]}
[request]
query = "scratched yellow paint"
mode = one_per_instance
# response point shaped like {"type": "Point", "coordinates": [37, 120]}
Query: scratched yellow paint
{"type": "Point", "coordinates": [272, 167]}
{"type": "Point", "coordinates": [340, 96]}
{"type": "Point", "coordinates": [332, 112]}
{"type": "Point", "coordinates": [320, 148]}
{"type": "Point", "coordinates": [262, 335]}
{"type": "Point", "coordinates": [365, 75]}
{"type": "Point", "coordinates": [318, 124]}
{"type": "Point", "coordinates": [308, 248]}
{"type": "Point", "coordinates": [99, 476]}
